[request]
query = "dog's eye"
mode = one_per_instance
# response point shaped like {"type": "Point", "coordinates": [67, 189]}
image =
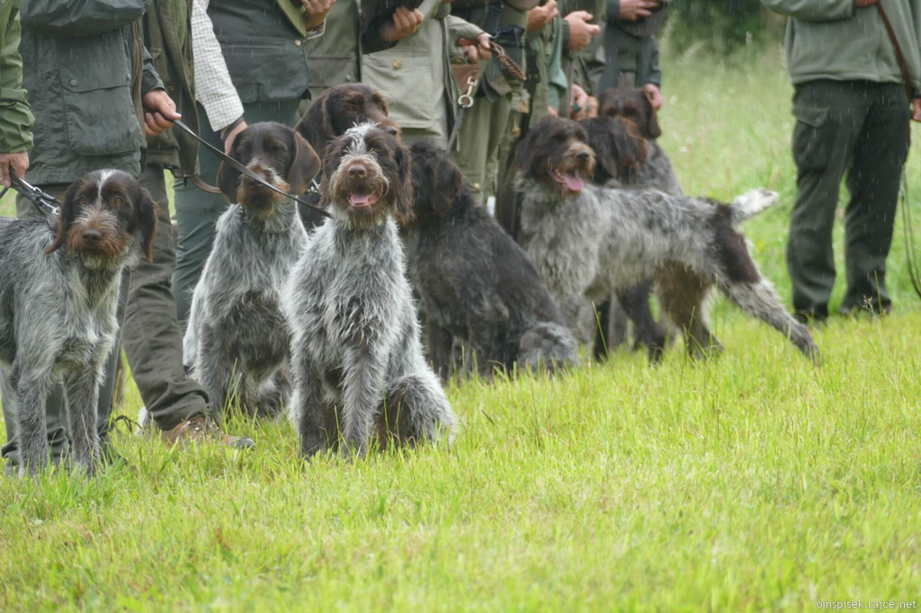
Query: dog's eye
{"type": "Point", "coordinates": [118, 201]}
{"type": "Point", "coordinates": [84, 201]}
{"type": "Point", "coordinates": [351, 108]}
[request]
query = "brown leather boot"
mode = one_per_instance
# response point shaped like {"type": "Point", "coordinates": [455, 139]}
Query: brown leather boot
{"type": "Point", "coordinates": [200, 429]}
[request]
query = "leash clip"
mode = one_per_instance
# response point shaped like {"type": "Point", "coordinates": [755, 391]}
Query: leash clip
{"type": "Point", "coordinates": [42, 202]}
{"type": "Point", "coordinates": [466, 99]}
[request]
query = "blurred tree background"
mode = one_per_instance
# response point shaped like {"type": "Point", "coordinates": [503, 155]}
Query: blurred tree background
{"type": "Point", "coordinates": [722, 25]}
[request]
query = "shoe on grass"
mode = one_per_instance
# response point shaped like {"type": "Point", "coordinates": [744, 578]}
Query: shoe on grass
{"type": "Point", "coordinates": [200, 429]}
{"type": "Point", "coordinates": [874, 309]}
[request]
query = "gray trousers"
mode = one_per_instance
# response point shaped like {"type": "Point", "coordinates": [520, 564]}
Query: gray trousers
{"type": "Point", "coordinates": [197, 212]}
{"type": "Point", "coordinates": [151, 335]}
{"type": "Point", "coordinates": [860, 129]}
{"type": "Point", "coordinates": [55, 409]}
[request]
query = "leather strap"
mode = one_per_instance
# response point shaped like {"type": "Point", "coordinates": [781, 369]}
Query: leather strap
{"type": "Point", "coordinates": [906, 75]}
{"type": "Point", "coordinates": [239, 168]}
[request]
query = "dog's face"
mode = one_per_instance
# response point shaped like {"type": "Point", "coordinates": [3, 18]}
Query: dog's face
{"type": "Point", "coordinates": [276, 153]}
{"type": "Point", "coordinates": [102, 215]}
{"type": "Point", "coordinates": [632, 105]}
{"type": "Point", "coordinates": [619, 149]}
{"type": "Point", "coordinates": [341, 108]}
{"type": "Point", "coordinates": [556, 153]}
{"type": "Point", "coordinates": [366, 176]}
{"type": "Point", "coordinates": [436, 179]}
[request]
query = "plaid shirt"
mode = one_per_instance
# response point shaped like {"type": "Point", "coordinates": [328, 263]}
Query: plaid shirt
{"type": "Point", "coordinates": [213, 87]}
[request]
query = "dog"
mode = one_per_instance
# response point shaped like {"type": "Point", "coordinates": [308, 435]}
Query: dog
{"type": "Point", "coordinates": [236, 344]}
{"type": "Point", "coordinates": [356, 358]}
{"type": "Point", "coordinates": [477, 285]}
{"type": "Point", "coordinates": [590, 242]}
{"type": "Point", "coordinates": [59, 284]}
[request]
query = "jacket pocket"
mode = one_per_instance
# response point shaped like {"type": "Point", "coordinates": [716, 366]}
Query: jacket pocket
{"type": "Point", "coordinates": [100, 117]}
{"type": "Point", "coordinates": [813, 138]}
{"type": "Point", "coordinates": [409, 82]}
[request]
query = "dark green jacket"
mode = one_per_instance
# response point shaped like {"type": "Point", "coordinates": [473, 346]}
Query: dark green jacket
{"type": "Point", "coordinates": [168, 36]}
{"type": "Point", "coordinates": [85, 68]}
{"type": "Point", "coordinates": [15, 115]}
{"type": "Point", "coordinates": [624, 52]}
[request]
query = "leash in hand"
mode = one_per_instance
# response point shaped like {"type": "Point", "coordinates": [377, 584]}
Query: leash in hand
{"type": "Point", "coordinates": [45, 204]}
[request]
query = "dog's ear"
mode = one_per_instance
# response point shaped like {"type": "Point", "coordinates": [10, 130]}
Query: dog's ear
{"type": "Point", "coordinates": [305, 166]}
{"type": "Point", "coordinates": [403, 206]}
{"type": "Point", "coordinates": [630, 147]}
{"type": "Point", "coordinates": [448, 181]}
{"type": "Point", "coordinates": [67, 213]}
{"type": "Point", "coordinates": [330, 162]}
{"type": "Point", "coordinates": [228, 181]}
{"type": "Point", "coordinates": [147, 222]}
{"type": "Point", "coordinates": [523, 151]}
{"type": "Point", "coordinates": [604, 144]}
{"type": "Point", "coordinates": [312, 125]}
{"type": "Point", "coordinates": [652, 120]}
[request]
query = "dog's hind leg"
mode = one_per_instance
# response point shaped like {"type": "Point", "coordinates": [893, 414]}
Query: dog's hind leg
{"type": "Point", "coordinates": [647, 330]}
{"type": "Point", "coordinates": [416, 410]}
{"type": "Point", "coordinates": [683, 296]}
{"type": "Point", "coordinates": [759, 300]}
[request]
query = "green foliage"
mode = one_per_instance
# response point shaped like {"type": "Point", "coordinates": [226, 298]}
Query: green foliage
{"type": "Point", "coordinates": [720, 25]}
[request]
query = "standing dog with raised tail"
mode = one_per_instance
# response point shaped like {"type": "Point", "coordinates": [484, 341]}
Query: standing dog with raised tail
{"type": "Point", "coordinates": [237, 342]}
{"type": "Point", "coordinates": [356, 356]}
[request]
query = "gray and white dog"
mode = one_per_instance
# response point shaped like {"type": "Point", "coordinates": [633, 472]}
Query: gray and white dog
{"type": "Point", "coordinates": [237, 342]}
{"type": "Point", "coordinates": [356, 356]}
{"type": "Point", "coordinates": [59, 285]}
{"type": "Point", "coordinates": [589, 242]}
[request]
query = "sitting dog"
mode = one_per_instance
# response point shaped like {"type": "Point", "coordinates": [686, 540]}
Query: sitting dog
{"type": "Point", "coordinates": [356, 355]}
{"type": "Point", "coordinates": [475, 282]}
{"type": "Point", "coordinates": [59, 285]}
{"type": "Point", "coordinates": [589, 242]}
{"type": "Point", "coordinates": [237, 343]}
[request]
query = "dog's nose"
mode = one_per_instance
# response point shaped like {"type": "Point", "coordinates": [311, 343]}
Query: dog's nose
{"type": "Point", "coordinates": [582, 156]}
{"type": "Point", "coordinates": [91, 237]}
{"type": "Point", "coordinates": [357, 171]}
{"type": "Point", "coordinates": [392, 130]}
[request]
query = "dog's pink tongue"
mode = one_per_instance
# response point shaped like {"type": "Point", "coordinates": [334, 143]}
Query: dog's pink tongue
{"type": "Point", "coordinates": [573, 182]}
{"type": "Point", "coordinates": [360, 199]}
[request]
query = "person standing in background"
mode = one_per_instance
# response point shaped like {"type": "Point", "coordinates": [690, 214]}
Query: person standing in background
{"type": "Point", "coordinates": [852, 107]}
{"type": "Point", "coordinates": [631, 50]}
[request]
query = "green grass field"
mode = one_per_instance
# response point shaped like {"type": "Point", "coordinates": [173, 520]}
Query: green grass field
{"type": "Point", "coordinates": [753, 481]}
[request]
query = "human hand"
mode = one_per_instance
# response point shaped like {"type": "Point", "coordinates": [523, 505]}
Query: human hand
{"type": "Point", "coordinates": [583, 106]}
{"type": "Point", "coordinates": [916, 109]}
{"type": "Point", "coordinates": [654, 95]}
{"type": "Point", "coordinates": [540, 16]}
{"type": "Point", "coordinates": [230, 135]}
{"type": "Point", "coordinates": [581, 31]}
{"type": "Point", "coordinates": [476, 50]}
{"type": "Point", "coordinates": [405, 22]}
{"type": "Point", "coordinates": [316, 11]}
{"type": "Point", "coordinates": [631, 10]}
{"type": "Point", "coordinates": [552, 112]}
{"type": "Point", "coordinates": [159, 112]}
{"type": "Point", "coordinates": [19, 162]}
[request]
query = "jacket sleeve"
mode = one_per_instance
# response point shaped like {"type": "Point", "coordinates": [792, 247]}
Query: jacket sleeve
{"type": "Point", "coordinates": [15, 116]}
{"type": "Point", "coordinates": [655, 69]}
{"type": "Point", "coordinates": [83, 18]}
{"type": "Point", "coordinates": [213, 86]}
{"type": "Point", "coordinates": [813, 10]}
{"type": "Point", "coordinates": [150, 79]}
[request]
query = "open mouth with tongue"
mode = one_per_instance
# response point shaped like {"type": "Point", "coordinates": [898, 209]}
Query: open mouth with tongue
{"type": "Point", "coordinates": [571, 180]}
{"type": "Point", "coordinates": [363, 201]}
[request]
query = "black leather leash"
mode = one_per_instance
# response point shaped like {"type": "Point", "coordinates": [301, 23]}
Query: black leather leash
{"type": "Point", "coordinates": [45, 204]}
{"type": "Point", "coordinates": [246, 171]}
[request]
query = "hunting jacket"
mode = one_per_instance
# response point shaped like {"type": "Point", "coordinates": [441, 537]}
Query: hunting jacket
{"type": "Point", "coordinates": [15, 115]}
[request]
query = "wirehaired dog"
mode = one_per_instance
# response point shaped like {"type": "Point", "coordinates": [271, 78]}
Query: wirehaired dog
{"type": "Point", "coordinates": [356, 357]}
{"type": "Point", "coordinates": [589, 242]}
{"type": "Point", "coordinates": [59, 285]}
{"type": "Point", "coordinates": [476, 283]}
{"type": "Point", "coordinates": [237, 343]}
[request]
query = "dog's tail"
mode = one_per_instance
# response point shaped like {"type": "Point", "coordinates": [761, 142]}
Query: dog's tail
{"type": "Point", "coordinates": [549, 346]}
{"type": "Point", "coordinates": [751, 203]}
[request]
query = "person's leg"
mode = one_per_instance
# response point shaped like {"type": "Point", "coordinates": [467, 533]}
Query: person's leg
{"type": "Point", "coordinates": [829, 116]}
{"type": "Point", "coordinates": [873, 181]}
{"type": "Point", "coordinates": [500, 125]}
{"type": "Point", "coordinates": [197, 212]}
{"type": "Point", "coordinates": [152, 338]}
{"type": "Point", "coordinates": [471, 147]}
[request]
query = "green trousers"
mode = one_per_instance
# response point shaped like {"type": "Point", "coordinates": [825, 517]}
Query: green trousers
{"type": "Point", "coordinates": [860, 129]}
{"type": "Point", "coordinates": [197, 212]}
{"type": "Point", "coordinates": [151, 335]}
{"type": "Point", "coordinates": [477, 149]}
{"type": "Point", "coordinates": [55, 410]}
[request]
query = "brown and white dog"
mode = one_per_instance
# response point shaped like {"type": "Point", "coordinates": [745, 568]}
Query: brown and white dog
{"type": "Point", "coordinates": [356, 356]}
{"type": "Point", "coordinates": [59, 287]}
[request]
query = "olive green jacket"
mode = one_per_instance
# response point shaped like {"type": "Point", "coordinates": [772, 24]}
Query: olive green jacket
{"type": "Point", "coordinates": [167, 35]}
{"type": "Point", "coordinates": [85, 68]}
{"type": "Point", "coordinates": [416, 72]}
{"type": "Point", "coordinates": [832, 39]}
{"type": "Point", "coordinates": [15, 116]}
